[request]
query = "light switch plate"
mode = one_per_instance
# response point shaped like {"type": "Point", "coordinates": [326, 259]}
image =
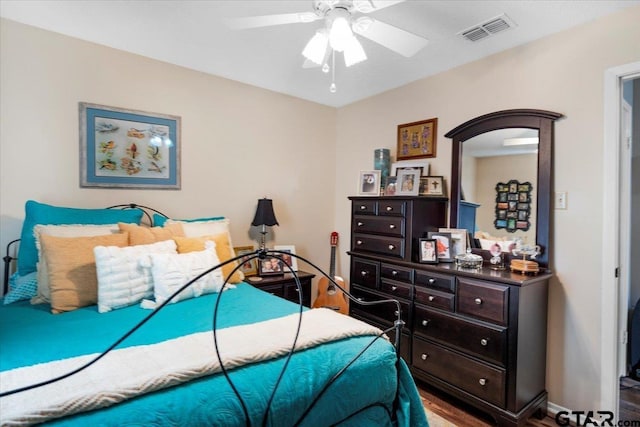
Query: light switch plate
{"type": "Point", "coordinates": [561, 200]}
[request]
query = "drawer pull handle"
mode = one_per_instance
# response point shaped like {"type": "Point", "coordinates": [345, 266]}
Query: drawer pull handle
{"type": "Point", "coordinates": [424, 356]}
{"type": "Point", "coordinates": [482, 381]}
{"type": "Point", "coordinates": [478, 301]}
{"type": "Point", "coordinates": [358, 242]}
{"type": "Point", "coordinates": [394, 288]}
{"type": "Point", "coordinates": [363, 208]}
{"type": "Point", "coordinates": [425, 322]}
{"type": "Point", "coordinates": [431, 280]}
{"type": "Point", "coordinates": [389, 208]}
{"type": "Point", "coordinates": [391, 247]}
{"type": "Point", "coordinates": [360, 299]}
{"type": "Point", "coordinates": [394, 273]}
{"type": "Point", "coordinates": [431, 297]}
{"type": "Point", "coordinates": [484, 341]}
{"type": "Point", "coordinates": [360, 224]}
{"type": "Point", "coordinates": [392, 226]}
{"type": "Point", "coordinates": [364, 273]}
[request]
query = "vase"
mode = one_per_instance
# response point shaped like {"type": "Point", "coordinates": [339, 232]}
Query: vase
{"type": "Point", "coordinates": [382, 162]}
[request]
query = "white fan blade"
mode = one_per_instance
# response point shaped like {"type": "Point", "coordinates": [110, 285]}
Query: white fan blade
{"type": "Point", "coordinates": [394, 38]}
{"type": "Point", "coordinates": [270, 20]}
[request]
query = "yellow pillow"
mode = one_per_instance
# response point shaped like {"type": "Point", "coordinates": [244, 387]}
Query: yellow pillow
{"type": "Point", "coordinates": [223, 249]}
{"type": "Point", "coordinates": [73, 282]}
{"type": "Point", "coordinates": [139, 235]}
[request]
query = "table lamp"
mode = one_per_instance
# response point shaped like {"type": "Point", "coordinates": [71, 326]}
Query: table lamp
{"type": "Point", "coordinates": [264, 217]}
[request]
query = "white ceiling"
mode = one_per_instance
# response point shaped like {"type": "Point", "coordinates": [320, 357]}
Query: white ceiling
{"type": "Point", "coordinates": [193, 34]}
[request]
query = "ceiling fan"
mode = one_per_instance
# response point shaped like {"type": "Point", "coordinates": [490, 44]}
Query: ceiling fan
{"type": "Point", "coordinates": [342, 20]}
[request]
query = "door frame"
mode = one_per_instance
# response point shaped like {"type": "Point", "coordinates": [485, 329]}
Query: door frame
{"type": "Point", "coordinates": [611, 314]}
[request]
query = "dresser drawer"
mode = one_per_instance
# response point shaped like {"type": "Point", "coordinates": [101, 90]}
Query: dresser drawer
{"type": "Point", "coordinates": [482, 380]}
{"type": "Point", "coordinates": [435, 280]}
{"type": "Point", "coordinates": [396, 290]}
{"type": "Point", "coordinates": [433, 298]}
{"type": "Point", "coordinates": [364, 273]}
{"type": "Point", "coordinates": [364, 207]}
{"type": "Point", "coordinates": [394, 272]}
{"type": "Point", "coordinates": [389, 246]}
{"type": "Point", "coordinates": [392, 207]}
{"type": "Point", "coordinates": [482, 341]}
{"type": "Point", "coordinates": [483, 300]}
{"type": "Point", "coordinates": [386, 312]}
{"type": "Point", "coordinates": [389, 226]}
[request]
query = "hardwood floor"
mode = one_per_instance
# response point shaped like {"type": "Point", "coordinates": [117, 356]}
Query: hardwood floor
{"type": "Point", "coordinates": [459, 414]}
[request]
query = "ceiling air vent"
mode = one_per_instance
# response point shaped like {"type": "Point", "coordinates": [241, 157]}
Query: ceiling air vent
{"type": "Point", "coordinates": [488, 28]}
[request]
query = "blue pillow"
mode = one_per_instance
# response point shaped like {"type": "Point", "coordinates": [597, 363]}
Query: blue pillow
{"type": "Point", "coordinates": [159, 220]}
{"type": "Point", "coordinates": [39, 213]}
{"type": "Point", "coordinates": [21, 287]}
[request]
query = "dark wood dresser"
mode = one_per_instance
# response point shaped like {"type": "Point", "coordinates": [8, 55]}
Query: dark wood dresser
{"type": "Point", "coordinates": [479, 335]}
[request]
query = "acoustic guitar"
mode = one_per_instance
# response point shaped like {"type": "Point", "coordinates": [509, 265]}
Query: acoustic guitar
{"type": "Point", "coordinates": [329, 295]}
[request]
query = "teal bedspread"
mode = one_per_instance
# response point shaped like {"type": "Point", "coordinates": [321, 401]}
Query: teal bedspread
{"type": "Point", "coordinates": [363, 396]}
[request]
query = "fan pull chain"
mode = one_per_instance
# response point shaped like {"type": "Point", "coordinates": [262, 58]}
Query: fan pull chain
{"type": "Point", "coordinates": [333, 88]}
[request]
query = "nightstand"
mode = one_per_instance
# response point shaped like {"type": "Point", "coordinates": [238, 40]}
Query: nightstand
{"type": "Point", "coordinates": [284, 286]}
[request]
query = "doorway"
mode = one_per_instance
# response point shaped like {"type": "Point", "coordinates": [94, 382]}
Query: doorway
{"type": "Point", "coordinates": [617, 246]}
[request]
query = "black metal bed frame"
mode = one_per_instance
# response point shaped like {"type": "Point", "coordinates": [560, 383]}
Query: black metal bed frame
{"type": "Point", "coordinates": [259, 254]}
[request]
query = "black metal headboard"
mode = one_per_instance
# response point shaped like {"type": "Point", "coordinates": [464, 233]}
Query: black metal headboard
{"type": "Point", "coordinates": [8, 258]}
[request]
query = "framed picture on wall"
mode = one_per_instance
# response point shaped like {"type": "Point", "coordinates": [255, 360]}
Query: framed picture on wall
{"type": "Point", "coordinates": [417, 139]}
{"type": "Point", "coordinates": [121, 148]}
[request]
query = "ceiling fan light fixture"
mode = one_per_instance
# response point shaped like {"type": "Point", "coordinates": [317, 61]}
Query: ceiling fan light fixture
{"type": "Point", "coordinates": [316, 48]}
{"type": "Point", "coordinates": [353, 52]}
{"type": "Point", "coordinates": [340, 31]}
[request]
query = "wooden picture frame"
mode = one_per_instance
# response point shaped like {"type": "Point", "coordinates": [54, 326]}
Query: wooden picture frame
{"type": "Point", "coordinates": [271, 266]}
{"type": "Point", "coordinates": [432, 186]}
{"type": "Point", "coordinates": [121, 148]}
{"type": "Point", "coordinates": [369, 183]}
{"type": "Point", "coordinates": [443, 244]}
{"type": "Point", "coordinates": [408, 183]}
{"type": "Point", "coordinates": [427, 253]}
{"type": "Point", "coordinates": [288, 259]}
{"type": "Point", "coordinates": [417, 139]}
{"type": "Point", "coordinates": [248, 266]}
{"type": "Point", "coordinates": [390, 185]}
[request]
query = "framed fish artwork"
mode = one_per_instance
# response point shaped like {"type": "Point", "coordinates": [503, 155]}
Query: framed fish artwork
{"type": "Point", "coordinates": [121, 148]}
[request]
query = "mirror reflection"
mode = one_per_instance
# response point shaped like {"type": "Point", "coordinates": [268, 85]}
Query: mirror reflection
{"type": "Point", "coordinates": [499, 186]}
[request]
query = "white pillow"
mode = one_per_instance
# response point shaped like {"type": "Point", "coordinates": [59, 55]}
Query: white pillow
{"type": "Point", "coordinates": [122, 281]}
{"type": "Point", "coordinates": [171, 272]}
{"type": "Point", "coordinates": [202, 228]}
{"type": "Point", "coordinates": [73, 230]}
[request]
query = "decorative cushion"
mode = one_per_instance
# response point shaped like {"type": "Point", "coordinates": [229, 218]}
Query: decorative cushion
{"type": "Point", "coordinates": [21, 287]}
{"type": "Point", "coordinates": [203, 228]}
{"type": "Point", "coordinates": [139, 235]}
{"type": "Point", "coordinates": [72, 269]}
{"type": "Point", "coordinates": [224, 249]}
{"type": "Point", "coordinates": [40, 213]}
{"type": "Point", "coordinates": [122, 281]}
{"type": "Point", "coordinates": [160, 220]}
{"type": "Point", "coordinates": [172, 271]}
{"type": "Point", "coordinates": [71, 230]}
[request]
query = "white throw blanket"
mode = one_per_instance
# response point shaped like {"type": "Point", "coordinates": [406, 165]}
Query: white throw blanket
{"type": "Point", "coordinates": [131, 371]}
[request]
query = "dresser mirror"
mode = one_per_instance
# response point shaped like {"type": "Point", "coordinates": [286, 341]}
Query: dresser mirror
{"type": "Point", "coordinates": [510, 149]}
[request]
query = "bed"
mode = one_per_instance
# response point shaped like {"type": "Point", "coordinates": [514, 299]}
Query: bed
{"type": "Point", "coordinates": [222, 358]}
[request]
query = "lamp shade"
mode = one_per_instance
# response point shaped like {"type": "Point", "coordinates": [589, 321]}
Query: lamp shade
{"type": "Point", "coordinates": [264, 213]}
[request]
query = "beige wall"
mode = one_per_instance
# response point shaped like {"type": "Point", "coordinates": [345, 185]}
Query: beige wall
{"type": "Point", "coordinates": [562, 73]}
{"type": "Point", "coordinates": [239, 143]}
{"type": "Point", "coordinates": [311, 155]}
